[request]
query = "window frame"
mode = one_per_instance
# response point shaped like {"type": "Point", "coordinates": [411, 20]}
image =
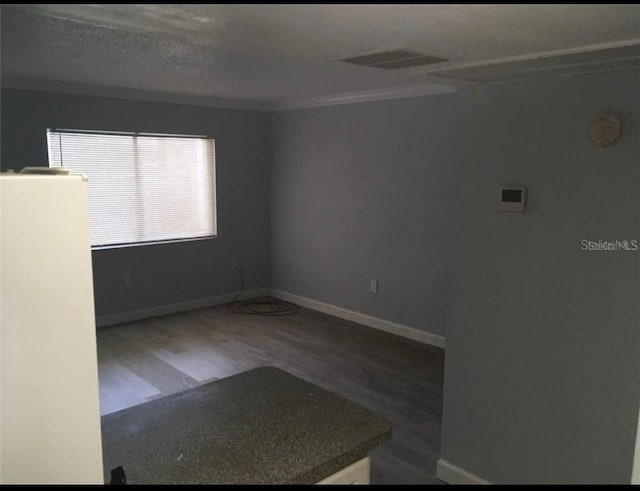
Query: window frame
{"type": "Point", "coordinates": [142, 243]}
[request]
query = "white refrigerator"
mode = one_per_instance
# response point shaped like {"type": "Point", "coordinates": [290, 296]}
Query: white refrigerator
{"type": "Point", "coordinates": [49, 406]}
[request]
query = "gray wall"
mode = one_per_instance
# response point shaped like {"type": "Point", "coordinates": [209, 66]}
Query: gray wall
{"type": "Point", "coordinates": [542, 371]}
{"type": "Point", "coordinates": [543, 340]}
{"type": "Point", "coordinates": [167, 273]}
{"type": "Point", "coordinates": [361, 192]}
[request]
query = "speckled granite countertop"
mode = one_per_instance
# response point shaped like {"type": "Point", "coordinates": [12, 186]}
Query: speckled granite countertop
{"type": "Point", "coordinates": [261, 426]}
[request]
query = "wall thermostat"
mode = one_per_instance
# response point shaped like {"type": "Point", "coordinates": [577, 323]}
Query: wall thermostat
{"type": "Point", "coordinates": [513, 198]}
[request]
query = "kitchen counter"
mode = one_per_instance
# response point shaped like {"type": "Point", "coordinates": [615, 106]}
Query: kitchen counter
{"type": "Point", "coordinates": [263, 426]}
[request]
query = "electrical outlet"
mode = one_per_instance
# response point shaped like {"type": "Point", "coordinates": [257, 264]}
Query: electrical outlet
{"type": "Point", "coordinates": [128, 281]}
{"type": "Point", "coordinates": [373, 286]}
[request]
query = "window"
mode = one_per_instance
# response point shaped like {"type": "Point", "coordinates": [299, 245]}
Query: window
{"type": "Point", "coordinates": [143, 188]}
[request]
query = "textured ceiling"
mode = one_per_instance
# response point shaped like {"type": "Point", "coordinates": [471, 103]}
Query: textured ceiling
{"type": "Point", "coordinates": [283, 53]}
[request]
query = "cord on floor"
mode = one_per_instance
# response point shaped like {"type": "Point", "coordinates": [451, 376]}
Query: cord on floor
{"type": "Point", "coordinates": [260, 306]}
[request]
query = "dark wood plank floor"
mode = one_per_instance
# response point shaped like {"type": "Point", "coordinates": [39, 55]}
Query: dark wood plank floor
{"type": "Point", "coordinates": [393, 376]}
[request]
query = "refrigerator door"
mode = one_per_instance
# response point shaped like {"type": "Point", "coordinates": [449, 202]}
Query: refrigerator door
{"type": "Point", "coordinates": [49, 406]}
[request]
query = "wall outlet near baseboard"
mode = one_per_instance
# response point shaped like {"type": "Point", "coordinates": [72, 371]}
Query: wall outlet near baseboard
{"type": "Point", "coordinates": [373, 286]}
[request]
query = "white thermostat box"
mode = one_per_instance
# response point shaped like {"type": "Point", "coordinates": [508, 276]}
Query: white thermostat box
{"type": "Point", "coordinates": [513, 198]}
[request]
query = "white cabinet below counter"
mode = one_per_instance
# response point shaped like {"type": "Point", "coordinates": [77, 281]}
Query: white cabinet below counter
{"type": "Point", "coordinates": [356, 473]}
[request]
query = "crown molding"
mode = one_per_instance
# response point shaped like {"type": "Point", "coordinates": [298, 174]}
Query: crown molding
{"type": "Point", "coordinates": [445, 67]}
{"type": "Point", "coordinates": [23, 83]}
{"type": "Point", "coordinates": [401, 92]}
{"type": "Point", "coordinates": [424, 89]}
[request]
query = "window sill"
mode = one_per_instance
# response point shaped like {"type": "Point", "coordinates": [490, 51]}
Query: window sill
{"type": "Point", "coordinates": [155, 242]}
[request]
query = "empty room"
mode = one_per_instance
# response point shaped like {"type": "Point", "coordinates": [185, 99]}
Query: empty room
{"type": "Point", "coordinates": [319, 244]}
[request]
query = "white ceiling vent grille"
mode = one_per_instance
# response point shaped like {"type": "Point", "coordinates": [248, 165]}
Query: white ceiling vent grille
{"type": "Point", "coordinates": [394, 59]}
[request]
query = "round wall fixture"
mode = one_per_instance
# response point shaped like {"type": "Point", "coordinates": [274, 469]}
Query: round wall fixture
{"type": "Point", "coordinates": [605, 130]}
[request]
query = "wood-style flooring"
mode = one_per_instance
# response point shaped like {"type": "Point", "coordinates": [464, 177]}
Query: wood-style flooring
{"type": "Point", "coordinates": [393, 376]}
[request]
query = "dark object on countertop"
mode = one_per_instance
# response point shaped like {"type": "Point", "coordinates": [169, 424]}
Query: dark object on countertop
{"type": "Point", "coordinates": [263, 426]}
{"type": "Point", "coordinates": [118, 476]}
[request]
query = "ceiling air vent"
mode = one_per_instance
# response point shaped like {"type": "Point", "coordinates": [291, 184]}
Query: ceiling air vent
{"type": "Point", "coordinates": [394, 59]}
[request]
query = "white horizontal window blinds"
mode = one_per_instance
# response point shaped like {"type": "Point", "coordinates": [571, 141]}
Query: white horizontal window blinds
{"type": "Point", "coordinates": [142, 188]}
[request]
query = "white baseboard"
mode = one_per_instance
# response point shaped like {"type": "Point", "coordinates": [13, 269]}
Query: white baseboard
{"type": "Point", "coordinates": [350, 315]}
{"type": "Point", "coordinates": [367, 320]}
{"type": "Point", "coordinates": [201, 303]}
{"type": "Point", "coordinates": [452, 474]}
